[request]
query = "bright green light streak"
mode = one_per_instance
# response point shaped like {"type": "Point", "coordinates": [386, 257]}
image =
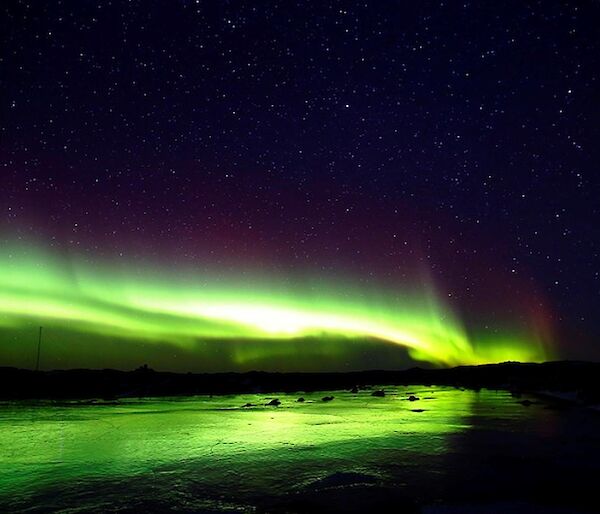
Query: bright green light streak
{"type": "Point", "coordinates": [153, 306]}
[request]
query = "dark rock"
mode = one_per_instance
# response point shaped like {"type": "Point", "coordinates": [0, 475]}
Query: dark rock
{"type": "Point", "coordinates": [354, 390]}
{"type": "Point", "coordinates": [327, 398]}
{"type": "Point", "coordinates": [380, 393]}
{"type": "Point", "coordinates": [248, 405]}
{"type": "Point", "coordinates": [526, 403]}
{"type": "Point", "coordinates": [274, 402]}
{"type": "Point", "coordinates": [417, 410]}
{"type": "Point", "coordinates": [300, 400]}
{"type": "Point", "coordinates": [412, 398]}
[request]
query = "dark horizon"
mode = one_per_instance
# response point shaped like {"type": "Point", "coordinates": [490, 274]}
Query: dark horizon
{"type": "Point", "coordinates": [578, 379]}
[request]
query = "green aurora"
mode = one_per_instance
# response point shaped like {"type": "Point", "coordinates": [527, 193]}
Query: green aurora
{"type": "Point", "coordinates": [247, 316]}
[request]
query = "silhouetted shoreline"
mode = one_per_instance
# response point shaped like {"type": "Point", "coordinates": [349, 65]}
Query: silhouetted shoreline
{"type": "Point", "coordinates": [580, 379]}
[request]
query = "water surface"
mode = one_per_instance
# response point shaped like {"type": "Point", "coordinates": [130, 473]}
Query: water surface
{"type": "Point", "coordinates": [216, 454]}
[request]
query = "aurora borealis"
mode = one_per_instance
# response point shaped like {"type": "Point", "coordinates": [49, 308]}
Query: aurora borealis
{"type": "Point", "coordinates": [298, 186]}
{"type": "Point", "coordinates": [37, 287]}
{"type": "Point", "coordinates": [299, 256]}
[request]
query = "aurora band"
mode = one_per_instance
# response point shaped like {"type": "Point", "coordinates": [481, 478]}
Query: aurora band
{"type": "Point", "coordinates": [155, 306]}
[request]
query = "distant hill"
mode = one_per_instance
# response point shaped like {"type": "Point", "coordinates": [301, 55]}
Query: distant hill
{"type": "Point", "coordinates": [582, 378]}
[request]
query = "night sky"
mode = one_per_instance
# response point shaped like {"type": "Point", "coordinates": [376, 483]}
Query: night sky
{"type": "Point", "coordinates": [445, 145]}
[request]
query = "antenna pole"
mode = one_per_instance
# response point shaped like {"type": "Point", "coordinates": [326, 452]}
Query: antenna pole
{"type": "Point", "coordinates": [37, 363]}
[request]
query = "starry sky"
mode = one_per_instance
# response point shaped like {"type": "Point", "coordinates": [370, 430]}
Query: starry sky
{"type": "Point", "coordinates": [447, 143]}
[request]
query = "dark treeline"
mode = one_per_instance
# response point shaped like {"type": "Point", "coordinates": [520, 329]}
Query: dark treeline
{"type": "Point", "coordinates": [580, 377]}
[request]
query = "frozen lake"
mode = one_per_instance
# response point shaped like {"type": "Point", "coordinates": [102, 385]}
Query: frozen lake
{"type": "Point", "coordinates": [451, 447]}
